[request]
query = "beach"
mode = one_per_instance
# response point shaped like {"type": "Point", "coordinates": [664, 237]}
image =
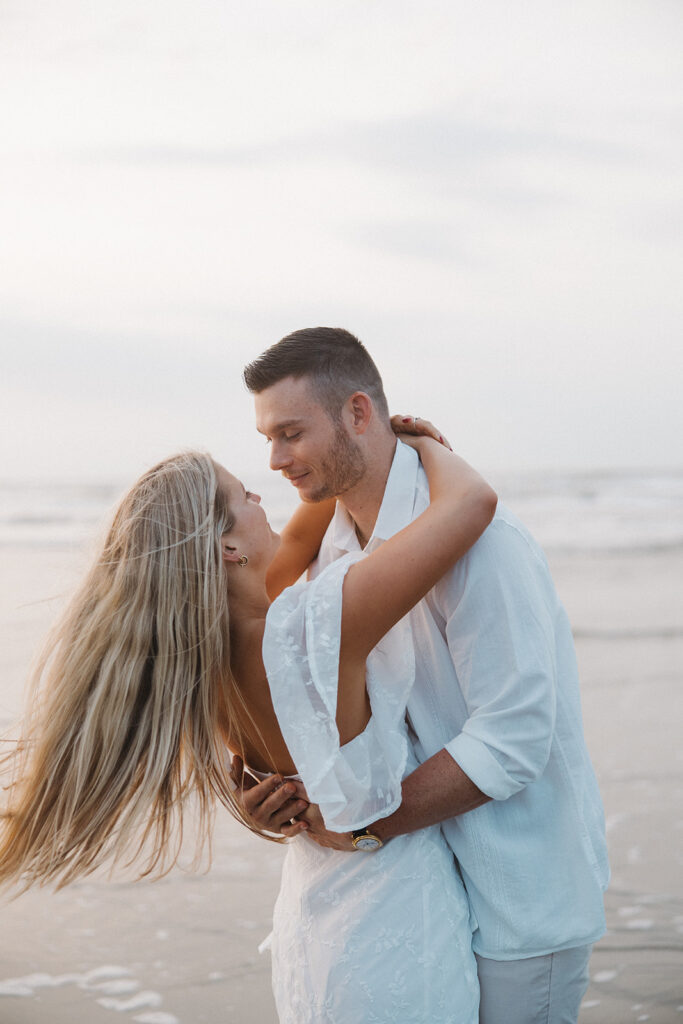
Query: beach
{"type": "Point", "coordinates": [184, 950]}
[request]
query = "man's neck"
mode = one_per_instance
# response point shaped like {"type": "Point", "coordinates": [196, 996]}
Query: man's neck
{"type": "Point", "coordinates": [364, 501]}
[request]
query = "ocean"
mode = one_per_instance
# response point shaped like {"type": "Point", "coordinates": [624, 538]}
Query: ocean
{"type": "Point", "coordinates": [568, 511]}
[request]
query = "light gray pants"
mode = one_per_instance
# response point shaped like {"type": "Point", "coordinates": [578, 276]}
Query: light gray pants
{"type": "Point", "coordinates": [540, 990]}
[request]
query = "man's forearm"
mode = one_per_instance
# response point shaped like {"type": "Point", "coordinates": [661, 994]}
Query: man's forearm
{"type": "Point", "coordinates": [434, 792]}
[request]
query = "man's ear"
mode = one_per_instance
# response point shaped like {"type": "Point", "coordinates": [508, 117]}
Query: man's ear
{"type": "Point", "coordinates": [360, 410]}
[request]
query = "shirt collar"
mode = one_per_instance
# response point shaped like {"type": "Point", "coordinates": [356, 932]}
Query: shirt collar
{"type": "Point", "coordinates": [396, 510]}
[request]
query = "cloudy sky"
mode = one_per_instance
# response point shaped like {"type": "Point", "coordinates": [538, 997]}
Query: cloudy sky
{"type": "Point", "coordinates": [488, 194]}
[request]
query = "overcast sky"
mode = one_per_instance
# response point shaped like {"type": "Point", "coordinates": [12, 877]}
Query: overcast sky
{"type": "Point", "coordinates": [488, 194]}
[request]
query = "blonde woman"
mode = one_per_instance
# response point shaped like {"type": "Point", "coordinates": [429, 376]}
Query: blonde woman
{"type": "Point", "coordinates": [158, 664]}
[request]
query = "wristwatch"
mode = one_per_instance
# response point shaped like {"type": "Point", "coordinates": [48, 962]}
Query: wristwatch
{"type": "Point", "coordinates": [364, 840]}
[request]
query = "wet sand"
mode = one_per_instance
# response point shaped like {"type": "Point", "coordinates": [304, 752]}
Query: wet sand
{"type": "Point", "coordinates": [184, 950]}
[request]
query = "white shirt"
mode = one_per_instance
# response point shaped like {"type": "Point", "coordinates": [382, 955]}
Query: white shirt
{"type": "Point", "coordinates": [496, 684]}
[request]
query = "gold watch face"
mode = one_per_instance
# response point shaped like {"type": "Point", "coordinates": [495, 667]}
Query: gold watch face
{"type": "Point", "coordinates": [367, 842]}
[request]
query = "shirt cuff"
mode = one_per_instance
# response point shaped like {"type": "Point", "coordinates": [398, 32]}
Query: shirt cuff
{"type": "Point", "coordinates": [479, 764]}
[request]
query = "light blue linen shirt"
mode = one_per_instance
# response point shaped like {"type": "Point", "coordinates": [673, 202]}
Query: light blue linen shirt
{"type": "Point", "coordinates": [497, 685]}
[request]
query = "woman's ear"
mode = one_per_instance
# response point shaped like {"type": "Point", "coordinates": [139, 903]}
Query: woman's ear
{"type": "Point", "coordinates": [229, 554]}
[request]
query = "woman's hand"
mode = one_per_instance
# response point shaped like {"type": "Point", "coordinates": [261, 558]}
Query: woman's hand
{"type": "Point", "coordinates": [321, 835]}
{"type": "Point", "coordinates": [416, 426]}
{"type": "Point", "coordinates": [272, 803]}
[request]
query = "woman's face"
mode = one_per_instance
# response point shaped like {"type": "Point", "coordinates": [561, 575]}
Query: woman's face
{"type": "Point", "coordinates": [251, 535]}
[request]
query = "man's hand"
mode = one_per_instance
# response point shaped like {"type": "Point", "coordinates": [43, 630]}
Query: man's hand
{"type": "Point", "coordinates": [321, 835]}
{"type": "Point", "coordinates": [270, 804]}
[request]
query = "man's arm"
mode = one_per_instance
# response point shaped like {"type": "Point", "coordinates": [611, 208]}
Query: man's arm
{"type": "Point", "coordinates": [437, 790]}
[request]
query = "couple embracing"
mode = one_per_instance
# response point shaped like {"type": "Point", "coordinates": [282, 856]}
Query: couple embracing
{"type": "Point", "coordinates": [409, 713]}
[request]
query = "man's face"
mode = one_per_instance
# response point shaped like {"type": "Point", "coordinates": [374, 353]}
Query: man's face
{"type": "Point", "coordinates": [320, 457]}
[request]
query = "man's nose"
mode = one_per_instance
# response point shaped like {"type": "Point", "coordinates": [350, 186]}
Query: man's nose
{"type": "Point", "coordinates": [279, 458]}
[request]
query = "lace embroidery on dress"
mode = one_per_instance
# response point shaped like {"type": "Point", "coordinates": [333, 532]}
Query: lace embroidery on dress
{"type": "Point", "coordinates": [360, 781]}
{"type": "Point", "coordinates": [373, 938]}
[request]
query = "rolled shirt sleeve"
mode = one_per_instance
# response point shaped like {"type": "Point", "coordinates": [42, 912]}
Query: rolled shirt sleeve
{"type": "Point", "coordinates": [500, 611]}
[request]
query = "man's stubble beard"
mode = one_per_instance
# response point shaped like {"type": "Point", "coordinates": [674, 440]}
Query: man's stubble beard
{"type": "Point", "coordinates": [342, 467]}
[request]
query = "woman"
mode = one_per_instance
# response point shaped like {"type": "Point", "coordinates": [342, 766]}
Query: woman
{"type": "Point", "coordinates": [159, 661]}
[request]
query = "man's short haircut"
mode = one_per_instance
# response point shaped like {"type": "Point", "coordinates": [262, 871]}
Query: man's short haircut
{"type": "Point", "coordinates": [335, 361]}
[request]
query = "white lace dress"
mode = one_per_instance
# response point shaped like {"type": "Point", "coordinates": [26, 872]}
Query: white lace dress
{"type": "Point", "coordinates": [369, 937]}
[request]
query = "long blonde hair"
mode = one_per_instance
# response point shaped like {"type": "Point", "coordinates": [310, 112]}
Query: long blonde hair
{"type": "Point", "coordinates": [131, 693]}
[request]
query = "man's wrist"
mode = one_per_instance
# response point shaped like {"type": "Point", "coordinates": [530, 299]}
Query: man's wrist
{"type": "Point", "coordinates": [366, 839]}
{"type": "Point", "coordinates": [381, 829]}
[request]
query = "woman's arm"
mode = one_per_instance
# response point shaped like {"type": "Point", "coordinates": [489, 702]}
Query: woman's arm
{"type": "Point", "coordinates": [382, 588]}
{"type": "Point", "coordinates": [302, 536]}
{"type": "Point", "coordinates": [300, 543]}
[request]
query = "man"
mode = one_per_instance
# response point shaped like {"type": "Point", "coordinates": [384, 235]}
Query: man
{"type": "Point", "coordinates": [495, 711]}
